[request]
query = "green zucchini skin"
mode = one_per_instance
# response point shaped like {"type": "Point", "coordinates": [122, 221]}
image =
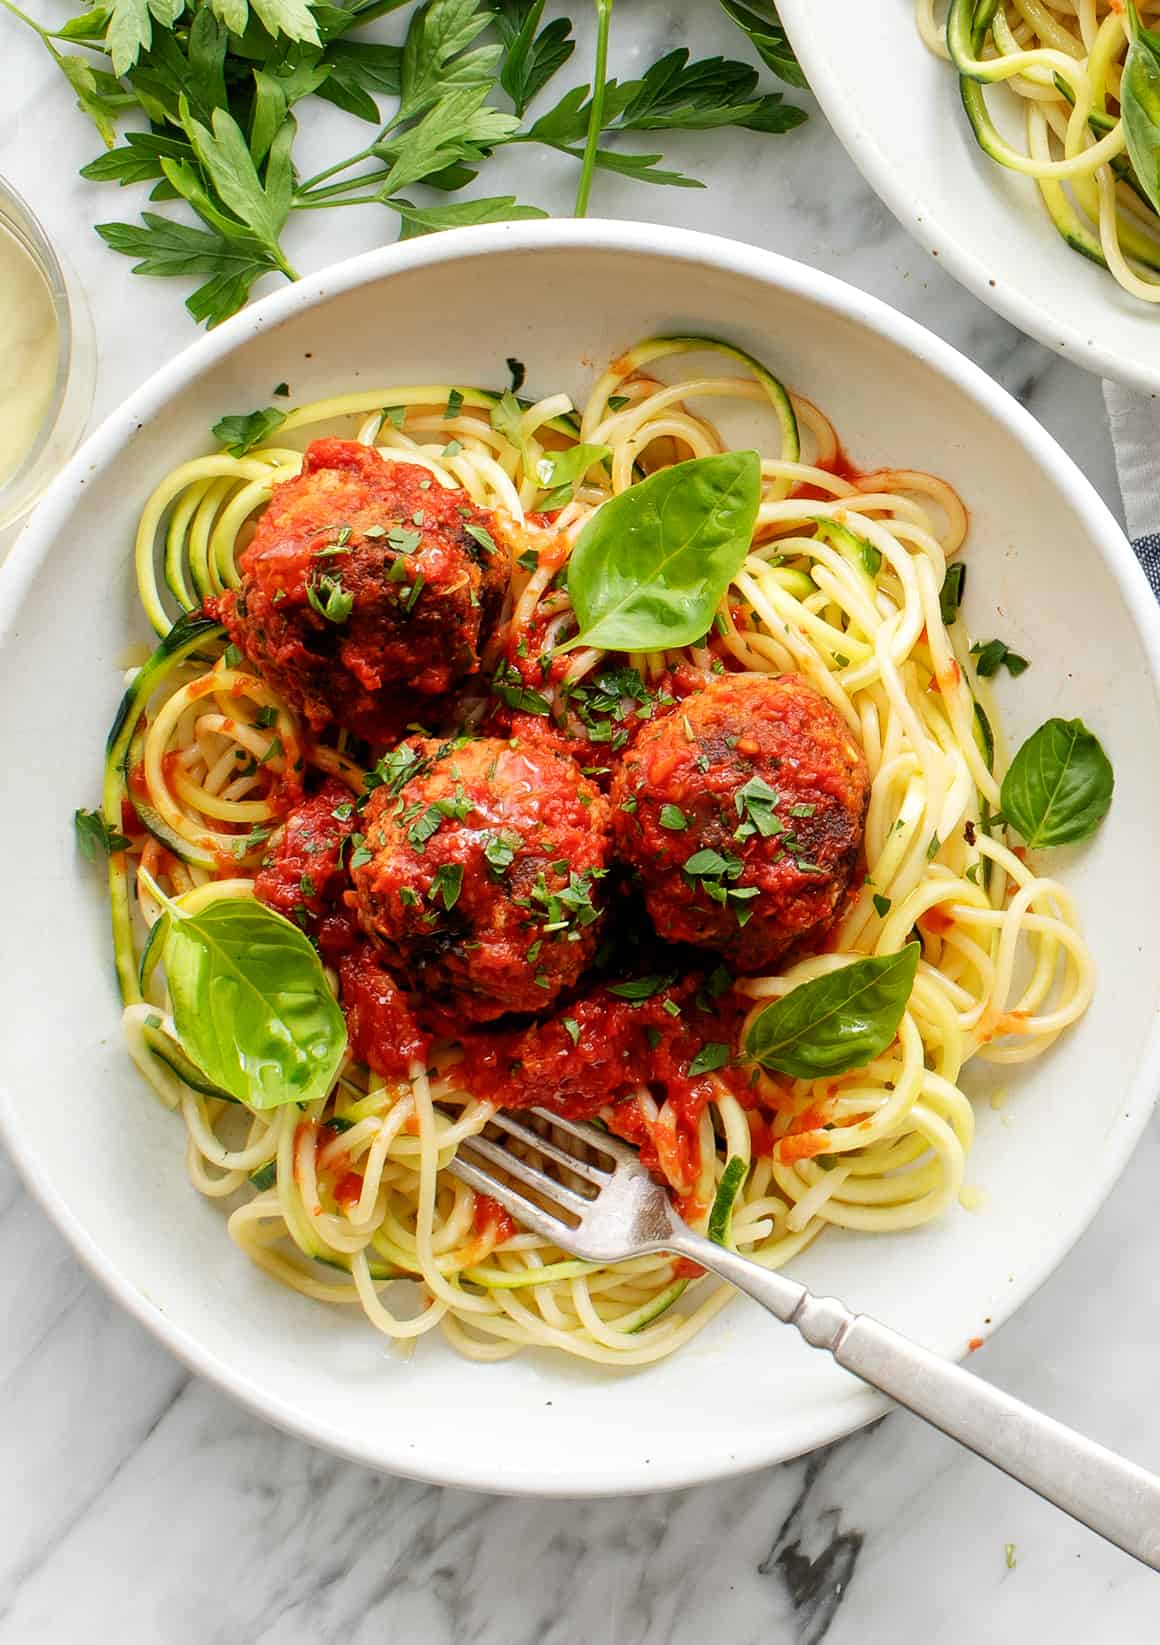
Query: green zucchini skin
{"type": "Point", "coordinates": [189, 636]}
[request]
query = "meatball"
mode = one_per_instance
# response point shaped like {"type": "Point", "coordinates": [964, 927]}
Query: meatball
{"type": "Point", "coordinates": [479, 876]}
{"type": "Point", "coordinates": [742, 813]}
{"type": "Point", "coordinates": [367, 585]}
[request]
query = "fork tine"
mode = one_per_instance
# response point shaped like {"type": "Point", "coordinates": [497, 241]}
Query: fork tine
{"type": "Point", "coordinates": [552, 1150]}
{"type": "Point", "coordinates": [532, 1217]}
{"type": "Point", "coordinates": [612, 1146]}
{"type": "Point", "coordinates": [539, 1180]}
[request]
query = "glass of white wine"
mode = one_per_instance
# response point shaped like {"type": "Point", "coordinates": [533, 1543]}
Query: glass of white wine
{"type": "Point", "coordinates": [46, 361]}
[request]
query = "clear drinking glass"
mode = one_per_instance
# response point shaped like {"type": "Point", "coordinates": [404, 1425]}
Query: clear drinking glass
{"type": "Point", "coordinates": [60, 419]}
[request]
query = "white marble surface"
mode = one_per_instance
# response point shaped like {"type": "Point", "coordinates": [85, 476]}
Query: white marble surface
{"type": "Point", "coordinates": [142, 1506]}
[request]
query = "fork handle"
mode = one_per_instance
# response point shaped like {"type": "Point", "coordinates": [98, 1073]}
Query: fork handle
{"type": "Point", "coordinates": [1110, 1495]}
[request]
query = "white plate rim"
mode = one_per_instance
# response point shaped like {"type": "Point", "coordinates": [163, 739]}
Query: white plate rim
{"type": "Point", "coordinates": [931, 230]}
{"type": "Point", "coordinates": [684, 245]}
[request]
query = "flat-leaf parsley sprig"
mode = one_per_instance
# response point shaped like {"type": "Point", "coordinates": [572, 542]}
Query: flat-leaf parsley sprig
{"type": "Point", "coordinates": [223, 83]}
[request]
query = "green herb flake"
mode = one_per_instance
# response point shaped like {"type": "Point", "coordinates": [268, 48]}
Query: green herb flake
{"type": "Point", "coordinates": [882, 905]}
{"type": "Point", "coordinates": [454, 405]}
{"type": "Point", "coordinates": [240, 433]}
{"type": "Point", "coordinates": [326, 595]}
{"type": "Point", "coordinates": [94, 834]}
{"type": "Point", "coordinates": [673, 817]}
{"type": "Point", "coordinates": [711, 1056]}
{"type": "Point", "coordinates": [572, 1028]}
{"type": "Point", "coordinates": [447, 884]}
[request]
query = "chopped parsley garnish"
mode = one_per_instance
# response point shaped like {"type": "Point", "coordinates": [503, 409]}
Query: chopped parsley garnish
{"type": "Point", "coordinates": [617, 402]}
{"type": "Point", "coordinates": [361, 853]}
{"type": "Point", "coordinates": [572, 1029]}
{"type": "Point", "coordinates": [306, 885]}
{"type": "Point", "coordinates": [328, 597]}
{"type": "Point", "coordinates": [266, 717]}
{"type": "Point", "coordinates": [282, 391]}
{"type": "Point", "coordinates": [871, 557]}
{"type": "Point", "coordinates": [643, 988]}
{"type": "Point", "coordinates": [454, 405]}
{"type": "Point", "coordinates": [714, 872]}
{"type": "Point", "coordinates": [711, 1056]}
{"type": "Point", "coordinates": [403, 541]}
{"type": "Point", "coordinates": [395, 415]}
{"type": "Point", "coordinates": [991, 655]}
{"type": "Point", "coordinates": [94, 833]}
{"type": "Point", "coordinates": [529, 560]}
{"type": "Point", "coordinates": [340, 545]}
{"type": "Point", "coordinates": [673, 817]}
{"type": "Point", "coordinates": [407, 897]}
{"type": "Point", "coordinates": [413, 593]}
{"type": "Point", "coordinates": [447, 884]}
{"type": "Point", "coordinates": [481, 535]}
{"type": "Point", "coordinates": [508, 685]}
{"type": "Point", "coordinates": [567, 908]}
{"type": "Point", "coordinates": [802, 810]}
{"type": "Point", "coordinates": [755, 802]}
{"type": "Point", "coordinates": [671, 1007]}
{"type": "Point", "coordinates": [500, 851]}
{"type": "Point", "coordinates": [452, 448]}
{"type": "Point", "coordinates": [274, 752]}
{"type": "Point", "coordinates": [518, 370]}
{"type": "Point", "coordinates": [932, 848]}
{"type": "Point", "coordinates": [231, 656]}
{"type": "Point", "coordinates": [882, 905]}
{"type": "Point", "coordinates": [425, 827]}
{"type": "Point", "coordinates": [396, 768]}
{"type": "Point", "coordinates": [343, 812]}
{"type": "Point", "coordinates": [972, 872]}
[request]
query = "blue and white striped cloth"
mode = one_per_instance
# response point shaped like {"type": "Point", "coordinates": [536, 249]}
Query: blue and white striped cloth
{"type": "Point", "coordinates": [1135, 425]}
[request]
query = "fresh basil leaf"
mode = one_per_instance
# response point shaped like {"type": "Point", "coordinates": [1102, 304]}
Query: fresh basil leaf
{"type": "Point", "coordinates": [991, 655]}
{"type": "Point", "coordinates": [651, 565]}
{"type": "Point", "coordinates": [1140, 104]}
{"type": "Point", "coordinates": [252, 1005]}
{"type": "Point", "coordinates": [94, 834]}
{"type": "Point", "coordinates": [1059, 785]}
{"type": "Point", "coordinates": [559, 472]}
{"type": "Point", "coordinates": [759, 20]}
{"type": "Point", "coordinates": [447, 884]}
{"type": "Point", "coordinates": [244, 430]}
{"type": "Point", "coordinates": [836, 1022]}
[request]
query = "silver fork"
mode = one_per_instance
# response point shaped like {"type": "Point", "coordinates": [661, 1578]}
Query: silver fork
{"type": "Point", "coordinates": [627, 1215]}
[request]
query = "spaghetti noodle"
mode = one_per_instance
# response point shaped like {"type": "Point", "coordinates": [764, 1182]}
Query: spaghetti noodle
{"type": "Point", "coordinates": [344, 1198]}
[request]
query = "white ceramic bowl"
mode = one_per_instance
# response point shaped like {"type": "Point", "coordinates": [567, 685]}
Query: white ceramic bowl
{"type": "Point", "coordinates": [896, 108]}
{"type": "Point", "coordinates": [1049, 571]}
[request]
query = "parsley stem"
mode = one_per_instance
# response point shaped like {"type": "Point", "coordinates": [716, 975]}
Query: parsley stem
{"type": "Point", "coordinates": [311, 196]}
{"type": "Point", "coordinates": [596, 113]}
{"type": "Point", "coordinates": [24, 18]}
{"type": "Point", "coordinates": [331, 171]}
{"type": "Point", "coordinates": [344, 200]}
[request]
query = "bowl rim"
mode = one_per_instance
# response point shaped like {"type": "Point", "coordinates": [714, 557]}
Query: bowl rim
{"type": "Point", "coordinates": [580, 236]}
{"type": "Point", "coordinates": [927, 226]}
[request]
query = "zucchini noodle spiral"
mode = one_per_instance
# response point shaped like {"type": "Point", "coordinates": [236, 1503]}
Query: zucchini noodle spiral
{"type": "Point", "coordinates": [1063, 59]}
{"type": "Point", "coordinates": [343, 1198]}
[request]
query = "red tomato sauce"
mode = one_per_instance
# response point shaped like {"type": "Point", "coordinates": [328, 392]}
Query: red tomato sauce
{"type": "Point", "coordinates": [383, 1031]}
{"type": "Point", "coordinates": [303, 874]}
{"type": "Point", "coordinates": [841, 467]}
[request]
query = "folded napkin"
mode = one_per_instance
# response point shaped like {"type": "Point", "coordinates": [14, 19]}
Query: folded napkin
{"type": "Point", "coordinates": [1135, 425]}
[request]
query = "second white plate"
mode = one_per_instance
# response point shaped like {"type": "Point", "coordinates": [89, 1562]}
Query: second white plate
{"type": "Point", "coordinates": [896, 108]}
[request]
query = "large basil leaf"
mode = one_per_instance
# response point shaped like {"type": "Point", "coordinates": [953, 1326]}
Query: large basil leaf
{"type": "Point", "coordinates": [251, 1003]}
{"type": "Point", "coordinates": [837, 1022]}
{"type": "Point", "coordinates": [1140, 105]}
{"type": "Point", "coordinates": [1059, 786]}
{"type": "Point", "coordinates": [651, 565]}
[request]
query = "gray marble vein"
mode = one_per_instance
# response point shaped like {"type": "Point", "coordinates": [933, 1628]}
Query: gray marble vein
{"type": "Point", "coordinates": [141, 1506]}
